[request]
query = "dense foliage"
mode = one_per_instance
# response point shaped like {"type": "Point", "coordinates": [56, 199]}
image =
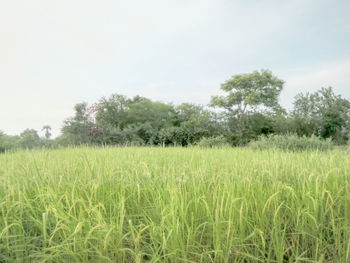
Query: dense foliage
{"type": "Point", "coordinates": [247, 110]}
{"type": "Point", "coordinates": [291, 142]}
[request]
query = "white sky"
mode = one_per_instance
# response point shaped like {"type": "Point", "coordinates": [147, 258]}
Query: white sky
{"type": "Point", "coordinates": [54, 54]}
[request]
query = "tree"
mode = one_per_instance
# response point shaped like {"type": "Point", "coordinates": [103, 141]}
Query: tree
{"type": "Point", "coordinates": [8, 142]}
{"type": "Point", "coordinates": [197, 122]}
{"type": "Point", "coordinates": [81, 129]}
{"type": "Point", "coordinates": [248, 93]}
{"type": "Point", "coordinates": [29, 139]}
{"type": "Point", "coordinates": [112, 111]}
{"type": "Point", "coordinates": [122, 119]}
{"type": "Point", "coordinates": [157, 114]}
{"type": "Point", "coordinates": [47, 130]}
{"type": "Point", "coordinates": [2, 142]}
{"type": "Point", "coordinates": [191, 123]}
{"type": "Point", "coordinates": [322, 113]}
{"type": "Point", "coordinates": [173, 136]}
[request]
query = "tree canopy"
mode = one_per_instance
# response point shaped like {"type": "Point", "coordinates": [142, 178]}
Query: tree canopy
{"type": "Point", "coordinates": [246, 94]}
{"type": "Point", "coordinates": [247, 108]}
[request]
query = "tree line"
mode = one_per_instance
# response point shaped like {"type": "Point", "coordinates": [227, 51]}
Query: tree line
{"type": "Point", "coordinates": [247, 109]}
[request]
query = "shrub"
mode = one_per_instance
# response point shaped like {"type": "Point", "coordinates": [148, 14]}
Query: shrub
{"type": "Point", "coordinates": [291, 142]}
{"type": "Point", "coordinates": [213, 142]}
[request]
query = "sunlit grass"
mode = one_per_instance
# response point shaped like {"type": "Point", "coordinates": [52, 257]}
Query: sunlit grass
{"type": "Point", "coordinates": [174, 205]}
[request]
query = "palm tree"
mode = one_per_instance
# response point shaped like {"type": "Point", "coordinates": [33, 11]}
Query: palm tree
{"type": "Point", "coordinates": [47, 129]}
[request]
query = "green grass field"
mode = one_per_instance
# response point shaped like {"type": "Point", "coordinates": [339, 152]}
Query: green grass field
{"type": "Point", "coordinates": [174, 205]}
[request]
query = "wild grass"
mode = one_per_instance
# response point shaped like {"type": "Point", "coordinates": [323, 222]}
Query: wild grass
{"type": "Point", "coordinates": [174, 205]}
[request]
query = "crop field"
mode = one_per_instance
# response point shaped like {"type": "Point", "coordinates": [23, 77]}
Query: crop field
{"type": "Point", "coordinates": [174, 205]}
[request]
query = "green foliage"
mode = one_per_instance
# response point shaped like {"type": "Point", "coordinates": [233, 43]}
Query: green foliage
{"type": "Point", "coordinates": [213, 142]}
{"type": "Point", "coordinates": [246, 94]}
{"type": "Point", "coordinates": [246, 91]}
{"type": "Point", "coordinates": [129, 121]}
{"type": "Point", "coordinates": [192, 123]}
{"type": "Point", "coordinates": [157, 114]}
{"type": "Point", "coordinates": [324, 114]}
{"type": "Point", "coordinates": [291, 142]}
{"type": "Point", "coordinates": [29, 139]}
{"type": "Point", "coordinates": [248, 109]}
{"type": "Point", "coordinates": [118, 120]}
{"type": "Point", "coordinates": [112, 111]}
{"type": "Point", "coordinates": [176, 136]}
{"type": "Point", "coordinates": [255, 124]}
{"type": "Point", "coordinates": [8, 143]}
{"type": "Point", "coordinates": [81, 128]}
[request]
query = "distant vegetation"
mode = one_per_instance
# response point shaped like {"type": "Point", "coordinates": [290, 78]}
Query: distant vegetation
{"type": "Point", "coordinates": [248, 110]}
{"type": "Point", "coordinates": [291, 142]}
{"type": "Point", "coordinates": [213, 142]}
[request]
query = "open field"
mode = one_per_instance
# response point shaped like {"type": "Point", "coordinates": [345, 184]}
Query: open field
{"type": "Point", "coordinates": [174, 205]}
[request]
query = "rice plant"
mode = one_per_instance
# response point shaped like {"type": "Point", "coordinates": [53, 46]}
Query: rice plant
{"type": "Point", "coordinates": [174, 205]}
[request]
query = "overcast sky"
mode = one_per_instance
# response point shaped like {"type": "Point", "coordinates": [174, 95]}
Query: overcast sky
{"type": "Point", "coordinates": [54, 54]}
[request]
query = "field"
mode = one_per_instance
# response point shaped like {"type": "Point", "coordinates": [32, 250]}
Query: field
{"type": "Point", "coordinates": [174, 205]}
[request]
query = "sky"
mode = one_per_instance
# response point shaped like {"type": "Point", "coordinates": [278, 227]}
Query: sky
{"type": "Point", "coordinates": [56, 53]}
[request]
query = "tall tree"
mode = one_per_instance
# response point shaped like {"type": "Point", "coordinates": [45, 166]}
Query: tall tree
{"type": "Point", "coordinates": [247, 93]}
{"type": "Point", "coordinates": [47, 129]}
{"type": "Point", "coordinates": [112, 111]}
{"type": "Point", "coordinates": [80, 129]}
{"type": "Point", "coordinates": [322, 113]}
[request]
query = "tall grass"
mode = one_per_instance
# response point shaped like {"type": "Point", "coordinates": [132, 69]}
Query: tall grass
{"type": "Point", "coordinates": [174, 205]}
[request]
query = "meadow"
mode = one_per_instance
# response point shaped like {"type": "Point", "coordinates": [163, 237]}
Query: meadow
{"type": "Point", "coordinates": [174, 205]}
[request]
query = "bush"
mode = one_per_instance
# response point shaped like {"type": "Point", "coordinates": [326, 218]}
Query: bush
{"type": "Point", "coordinates": [213, 142]}
{"type": "Point", "coordinates": [8, 143]}
{"type": "Point", "coordinates": [291, 142]}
